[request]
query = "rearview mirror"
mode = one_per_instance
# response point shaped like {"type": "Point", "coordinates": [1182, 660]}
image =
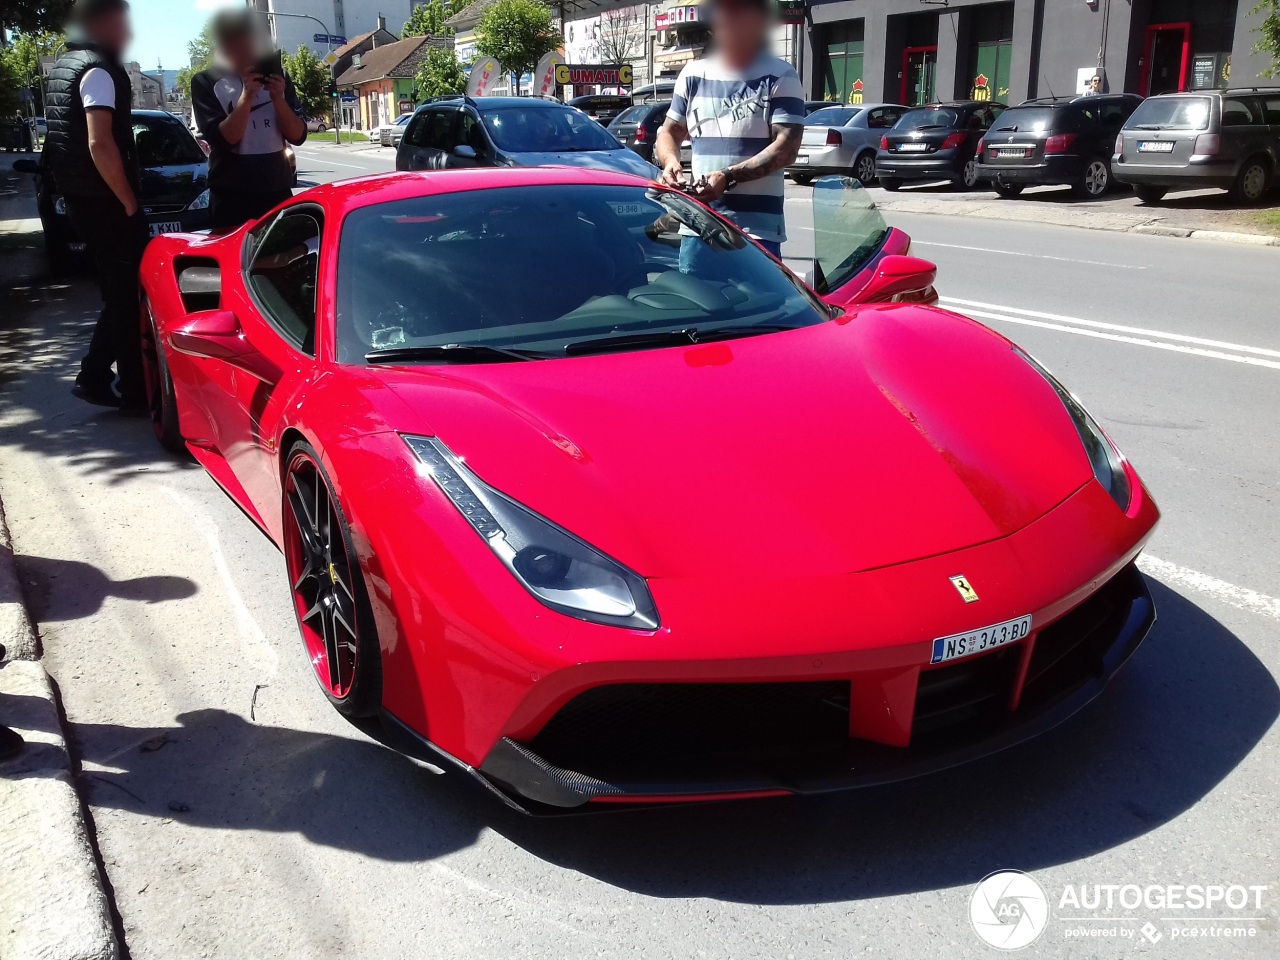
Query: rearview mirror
{"type": "Point", "coordinates": [901, 278]}
{"type": "Point", "coordinates": [26, 166]}
{"type": "Point", "coordinates": [465, 151]}
{"type": "Point", "coordinates": [216, 335]}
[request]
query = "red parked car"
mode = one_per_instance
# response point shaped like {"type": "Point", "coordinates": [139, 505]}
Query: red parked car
{"type": "Point", "coordinates": [580, 490]}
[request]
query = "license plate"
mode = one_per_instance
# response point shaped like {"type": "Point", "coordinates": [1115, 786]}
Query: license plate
{"type": "Point", "coordinates": [802, 159]}
{"type": "Point", "coordinates": [1155, 146]}
{"type": "Point", "coordinates": [1008, 152]}
{"type": "Point", "coordinates": [627, 209]}
{"type": "Point", "coordinates": [168, 226]}
{"type": "Point", "coordinates": [913, 147]}
{"type": "Point", "coordinates": [978, 641]}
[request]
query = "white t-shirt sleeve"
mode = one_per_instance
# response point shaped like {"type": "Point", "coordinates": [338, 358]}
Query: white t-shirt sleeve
{"type": "Point", "coordinates": [97, 89]}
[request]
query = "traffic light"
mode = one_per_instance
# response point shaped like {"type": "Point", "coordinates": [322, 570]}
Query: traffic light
{"type": "Point", "coordinates": [333, 89]}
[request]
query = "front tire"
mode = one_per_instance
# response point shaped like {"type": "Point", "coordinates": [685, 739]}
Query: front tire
{"type": "Point", "coordinates": [162, 400]}
{"type": "Point", "coordinates": [329, 594]}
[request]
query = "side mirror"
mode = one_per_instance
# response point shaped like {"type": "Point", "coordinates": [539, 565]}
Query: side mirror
{"type": "Point", "coordinates": [216, 335]}
{"type": "Point", "coordinates": [26, 166]}
{"type": "Point", "coordinates": [901, 278]}
{"type": "Point", "coordinates": [204, 145]}
{"type": "Point", "coordinates": [465, 151]}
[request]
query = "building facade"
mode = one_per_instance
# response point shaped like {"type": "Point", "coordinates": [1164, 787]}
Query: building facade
{"type": "Point", "coordinates": [345, 18]}
{"type": "Point", "coordinates": [909, 52]}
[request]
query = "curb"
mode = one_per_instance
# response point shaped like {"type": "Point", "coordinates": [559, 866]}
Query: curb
{"type": "Point", "coordinates": [53, 904]}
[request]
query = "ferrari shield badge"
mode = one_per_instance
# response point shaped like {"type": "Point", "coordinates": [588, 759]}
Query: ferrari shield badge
{"type": "Point", "coordinates": [964, 588]}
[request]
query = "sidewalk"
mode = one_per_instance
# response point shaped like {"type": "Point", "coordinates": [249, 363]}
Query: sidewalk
{"type": "Point", "coordinates": [53, 904]}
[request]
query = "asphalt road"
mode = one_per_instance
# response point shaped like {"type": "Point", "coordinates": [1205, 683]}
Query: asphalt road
{"type": "Point", "coordinates": [238, 816]}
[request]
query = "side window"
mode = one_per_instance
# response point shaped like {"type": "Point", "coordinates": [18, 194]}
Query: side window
{"type": "Point", "coordinates": [882, 119]}
{"type": "Point", "coordinates": [1240, 113]}
{"type": "Point", "coordinates": [1272, 105]}
{"type": "Point", "coordinates": [1114, 115]}
{"type": "Point", "coordinates": [283, 274]}
{"type": "Point", "coordinates": [430, 130]}
{"type": "Point", "coordinates": [471, 132]}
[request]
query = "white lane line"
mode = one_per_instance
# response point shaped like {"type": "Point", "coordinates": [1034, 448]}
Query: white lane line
{"type": "Point", "coordinates": [1241, 598]}
{"type": "Point", "coordinates": [1034, 256]}
{"type": "Point", "coordinates": [1117, 328]}
{"type": "Point", "coordinates": [318, 159]}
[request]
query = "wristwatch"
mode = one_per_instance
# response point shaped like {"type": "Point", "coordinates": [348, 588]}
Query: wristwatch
{"type": "Point", "coordinates": [730, 180]}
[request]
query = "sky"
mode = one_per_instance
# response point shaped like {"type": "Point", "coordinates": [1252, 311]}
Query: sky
{"type": "Point", "coordinates": [161, 29]}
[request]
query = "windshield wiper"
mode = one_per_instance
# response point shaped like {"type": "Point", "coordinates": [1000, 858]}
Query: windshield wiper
{"type": "Point", "coordinates": [452, 353]}
{"type": "Point", "coordinates": [670, 338]}
{"type": "Point", "coordinates": [1147, 126]}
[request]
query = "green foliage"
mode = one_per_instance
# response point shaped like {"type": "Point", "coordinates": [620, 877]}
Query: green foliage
{"type": "Point", "coordinates": [310, 81]}
{"type": "Point", "coordinates": [440, 74]}
{"type": "Point", "coordinates": [427, 20]}
{"type": "Point", "coordinates": [34, 16]}
{"type": "Point", "coordinates": [200, 53]}
{"type": "Point", "coordinates": [517, 33]}
{"type": "Point", "coordinates": [20, 68]}
{"type": "Point", "coordinates": [1268, 31]}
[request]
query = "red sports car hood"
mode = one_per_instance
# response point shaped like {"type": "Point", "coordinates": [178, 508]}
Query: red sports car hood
{"type": "Point", "coordinates": [890, 434]}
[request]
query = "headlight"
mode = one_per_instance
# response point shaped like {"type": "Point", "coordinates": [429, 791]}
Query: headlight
{"type": "Point", "coordinates": [1107, 461]}
{"type": "Point", "coordinates": [201, 202]}
{"type": "Point", "coordinates": [60, 207]}
{"type": "Point", "coordinates": [560, 570]}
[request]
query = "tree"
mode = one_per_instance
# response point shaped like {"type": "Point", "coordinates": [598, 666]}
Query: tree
{"type": "Point", "coordinates": [517, 33]}
{"type": "Point", "coordinates": [440, 74]}
{"type": "Point", "coordinates": [200, 52]}
{"type": "Point", "coordinates": [33, 16]}
{"type": "Point", "coordinates": [22, 67]}
{"type": "Point", "coordinates": [622, 33]}
{"type": "Point", "coordinates": [427, 20]}
{"type": "Point", "coordinates": [310, 81]}
{"type": "Point", "coordinates": [1268, 30]}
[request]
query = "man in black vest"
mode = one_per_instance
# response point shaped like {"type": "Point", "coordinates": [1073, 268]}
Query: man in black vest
{"type": "Point", "coordinates": [90, 152]}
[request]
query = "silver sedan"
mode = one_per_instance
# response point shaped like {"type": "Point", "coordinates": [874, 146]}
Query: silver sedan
{"type": "Point", "coordinates": [843, 140]}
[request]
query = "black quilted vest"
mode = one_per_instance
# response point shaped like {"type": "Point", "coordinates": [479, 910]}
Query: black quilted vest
{"type": "Point", "coordinates": [66, 146]}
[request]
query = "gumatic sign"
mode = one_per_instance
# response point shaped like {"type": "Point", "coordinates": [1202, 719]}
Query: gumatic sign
{"type": "Point", "coordinates": [594, 74]}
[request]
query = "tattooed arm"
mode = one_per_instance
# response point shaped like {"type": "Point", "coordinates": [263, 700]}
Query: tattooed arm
{"type": "Point", "coordinates": [780, 153]}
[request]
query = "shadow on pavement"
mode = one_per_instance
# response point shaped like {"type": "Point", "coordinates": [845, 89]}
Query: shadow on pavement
{"type": "Point", "coordinates": [1183, 715]}
{"type": "Point", "coordinates": [85, 588]}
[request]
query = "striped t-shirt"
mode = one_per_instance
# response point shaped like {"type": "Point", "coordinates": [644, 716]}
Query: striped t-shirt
{"type": "Point", "coordinates": [729, 115]}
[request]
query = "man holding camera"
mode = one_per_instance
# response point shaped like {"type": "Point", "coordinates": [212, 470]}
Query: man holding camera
{"type": "Point", "coordinates": [247, 111]}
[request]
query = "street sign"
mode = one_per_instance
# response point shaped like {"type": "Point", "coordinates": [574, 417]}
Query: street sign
{"type": "Point", "coordinates": [330, 39]}
{"type": "Point", "coordinates": [349, 97]}
{"type": "Point", "coordinates": [331, 59]}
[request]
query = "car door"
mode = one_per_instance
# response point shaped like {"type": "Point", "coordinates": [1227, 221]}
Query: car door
{"type": "Point", "coordinates": [425, 145]}
{"type": "Point", "coordinates": [468, 131]}
{"type": "Point", "coordinates": [1112, 114]}
{"type": "Point", "coordinates": [275, 304]}
{"type": "Point", "coordinates": [1244, 128]}
{"type": "Point", "coordinates": [1271, 111]}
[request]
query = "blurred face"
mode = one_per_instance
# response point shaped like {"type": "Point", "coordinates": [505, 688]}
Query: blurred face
{"type": "Point", "coordinates": [111, 31]}
{"type": "Point", "coordinates": [1096, 83]}
{"type": "Point", "coordinates": [740, 32]}
{"type": "Point", "coordinates": [239, 51]}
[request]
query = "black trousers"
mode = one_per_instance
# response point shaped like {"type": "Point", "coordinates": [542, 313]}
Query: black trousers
{"type": "Point", "coordinates": [116, 243]}
{"type": "Point", "coordinates": [230, 210]}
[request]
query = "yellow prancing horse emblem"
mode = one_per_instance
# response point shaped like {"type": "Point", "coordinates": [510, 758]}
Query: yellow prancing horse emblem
{"type": "Point", "coordinates": [967, 593]}
{"type": "Point", "coordinates": [333, 575]}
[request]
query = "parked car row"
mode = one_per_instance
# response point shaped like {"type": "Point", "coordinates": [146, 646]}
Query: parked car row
{"type": "Point", "coordinates": [1228, 139]}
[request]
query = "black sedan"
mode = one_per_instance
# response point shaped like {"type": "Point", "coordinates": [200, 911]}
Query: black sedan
{"type": "Point", "coordinates": [637, 127]}
{"type": "Point", "coordinates": [173, 182]}
{"type": "Point", "coordinates": [936, 142]}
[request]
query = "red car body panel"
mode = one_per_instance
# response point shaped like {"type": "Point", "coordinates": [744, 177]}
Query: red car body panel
{"type": "Point", "coordinates": [796, 501]}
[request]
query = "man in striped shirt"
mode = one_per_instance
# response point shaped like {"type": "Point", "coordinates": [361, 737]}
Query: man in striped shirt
{"type": "Point", "coordinates": [743, 111]}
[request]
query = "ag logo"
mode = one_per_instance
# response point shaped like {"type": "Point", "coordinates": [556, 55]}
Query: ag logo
{"type": "Point", "coordinates": [964, 588]}
{"type": "Point", "coordinates": [1008, 910]}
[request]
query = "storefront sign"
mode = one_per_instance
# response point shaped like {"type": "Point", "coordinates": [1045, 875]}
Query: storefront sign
{"type": "Point", "coordinates": [981, 88]}
{"type": "Point", "coordinates": [681, 15]}
{"type": "Point", "coordinates": [594, 74]}
{"type": "Point", "coordinates": [661, 21]}
{"type": "Point", "coordinates": [856, 95]}
{"type": "Point", "coordinates": [791, 12]}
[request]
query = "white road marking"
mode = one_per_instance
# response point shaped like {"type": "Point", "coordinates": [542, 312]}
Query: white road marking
{"type": "Point", "coordinates": [319, 159]}
{"type": "Point", "coordinates": [1077, 327]}
{"type": "Point", "coordinates": [1034, 256]}
{"type": "Point", "coordinates": [1241, 598]}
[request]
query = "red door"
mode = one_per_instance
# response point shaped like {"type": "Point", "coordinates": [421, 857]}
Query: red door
{"type": "Point", "coordinates": [1167, 58]}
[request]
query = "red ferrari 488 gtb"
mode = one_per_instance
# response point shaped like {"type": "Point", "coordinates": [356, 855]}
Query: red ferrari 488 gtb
{"type": "Point", "coordinates": [580, 490]}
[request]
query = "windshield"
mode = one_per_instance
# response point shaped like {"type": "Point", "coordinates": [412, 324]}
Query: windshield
{"type": "Point", "coordinates": [830, 117]}
{"type": "Point", "coordinates": [539, 269]}
{"type": "Point", "coordinates": [545, 130]}
{"type": "Point", "coordinates": [163, 142]}
{"type": "Point", "coordinates": [1171, 113]}
{"type": "Point", "coordinates": [631, 114]}
{"type": "Point", "coordinates": [928, 117]}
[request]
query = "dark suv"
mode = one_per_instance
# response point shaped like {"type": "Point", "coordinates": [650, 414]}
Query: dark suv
{"type": "Point", "coordinates": [637, 127]}
{"type": "Point", "coordinates": [1213, 138]}
{"type": "Point", "coordinates": [937, 142]}
{"type": "Point", "coordinates": [1053, 141]}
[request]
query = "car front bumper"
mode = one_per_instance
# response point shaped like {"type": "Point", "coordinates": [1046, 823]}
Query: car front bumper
{"type": "Point", "coordinates": [833, 689]}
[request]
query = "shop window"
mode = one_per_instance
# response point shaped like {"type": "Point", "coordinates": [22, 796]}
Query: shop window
{"type": "Point", "coordinates": [842, 62]}
{"type": "Point", "coordinates": [991, 51]}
